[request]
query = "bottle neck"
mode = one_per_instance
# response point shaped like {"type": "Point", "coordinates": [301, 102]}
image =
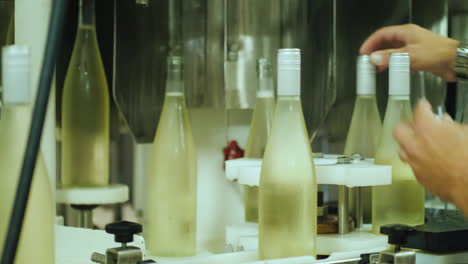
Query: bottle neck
{"type": "Point", "coordinates": [87, 14]}
{"type": "Point", "coordinates": [366, 101]}
{"type": "Point", "coordinates": [366, 96]}
{"type": "Point", "coordinates": [265, 86]}
{"type": "Point", "coordinates": [398, 109]}
{"type": "Point", "coordinates": [288, 104]}
{"type": "Point", "coordinates": [289, 100]}
{"type": "Point", "coordinates": [398, 98]}
{"type": "Point", "coordinates": [174, 83]}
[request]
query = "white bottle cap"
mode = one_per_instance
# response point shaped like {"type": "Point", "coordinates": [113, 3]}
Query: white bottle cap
{"type": "Point", "coordinates": [365, 78]}
{"type": "Point", "coordinates": [399, 74]}
{"type": "Point", "coordinates": [289, 72]}
{"type": "Point", "coordinates": [16, 75]}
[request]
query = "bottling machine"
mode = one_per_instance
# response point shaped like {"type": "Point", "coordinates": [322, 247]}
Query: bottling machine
{"type": "Point", "coordinates": [220, 41]}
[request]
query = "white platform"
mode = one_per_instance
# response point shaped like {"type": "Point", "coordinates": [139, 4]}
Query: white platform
{"type": "Point", "coordinates": [111, 194]}
{"type": "Point", "coordinates": [245, 237]}
{"type": "Point", "coordinates": [75, 246]}
{"type": "Point", "coordinates": [364, 173]}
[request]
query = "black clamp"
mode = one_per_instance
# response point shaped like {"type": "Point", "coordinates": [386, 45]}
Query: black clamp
{"type": "Point", "coordinates": [397, 234]}
{"type": "Point", "coordinates": [124, 231]}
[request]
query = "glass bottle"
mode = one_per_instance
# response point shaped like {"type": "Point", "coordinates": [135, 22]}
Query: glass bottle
{"type": "Point", "coordinates": [364, 131]}
{"type": "Point", "coordinates": [85, 109]}
{"type": "Point", "coordinates": [259, 130]}
{"type": "Point", "coordinates": [36, 243]}
{"type": "Point", "coordinates": [402, 202]}
{"type": "Point", "coordinates": [172, 204]}
{"type": "Point", "coordinates": [462, 101]}
{"type": "Point", "coordinates": [288, 188]}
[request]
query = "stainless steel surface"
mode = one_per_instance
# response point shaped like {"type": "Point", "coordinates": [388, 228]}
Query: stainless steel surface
{"type": "Point", "coordinates": [344, 160]}
{"type": "Point", "coordinates": [343, 200]}
{"type": "Point", "coordinates": [124, 255]}
{"type": "Point", "coordinates": [357, 197]}
{"type": "Point", "coordinates": [355, 21]}
{"type": "Point", "coordinates": [121, 255]}
{"type": "Point", "coordinates": [358, 206]}
{"type": "Point", "coordinates": [311, 26]}
{"type": "Point", "coordinates": [145, 36]}
{"type": "Point", "coordinates": [343, 222]}
{"type": "Point", "coordinates": [78, 217]}
{"type": "Point", "coordinates": [249, 36]}
{"type": "Point", "coordinates": [374, 259]}
{"type": "Point", "coordinates": [433, 15]}
{"type": "Point", "coordinates": [98, 258]}
{"type": "Point", "coordinates": [308, 25]}
{"type": "Point", "coordinates": [356, 158]}
{"type": "Point", "coordinates": [221, 40]}
{"type": "Point", "coordinates": [397, 257]}
{"type": "Point", "coordinates": [85, 219]}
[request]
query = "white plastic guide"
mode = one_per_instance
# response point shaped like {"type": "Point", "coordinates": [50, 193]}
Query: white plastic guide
{"type": "Point", "coordinates": [363, 173]}
{"type": "Point", "coordinates": [112, 194]}
{"type": "Point", "coordinates": [244, 236]}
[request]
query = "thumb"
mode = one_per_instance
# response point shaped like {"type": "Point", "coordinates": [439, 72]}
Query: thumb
{"type": "Point", "coordinates": [381, 58]}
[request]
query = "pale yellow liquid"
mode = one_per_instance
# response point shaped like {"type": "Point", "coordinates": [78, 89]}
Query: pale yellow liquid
{"type": "Point", "coordinates": [288, 188]}
{"type": "Point", "coordinates": [402, 202]}
{"type": "Point", "coordinates": [37, 236]}
{"type": "Point", "coordinates": [85, 115]}
{"type": "Point", "coordinates": [256, 143]}
{"type": "Point", "coordinates": [172, 203]}
{"type": "Point", "coordinates": [364, 131]}
{"type": "Point", "coordinates": [363, 138]}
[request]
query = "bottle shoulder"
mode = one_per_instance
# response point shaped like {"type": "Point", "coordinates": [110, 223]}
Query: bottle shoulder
{"type": "Point", "coordinates": [86, 51]}
{"type": "Point", "coordinates": [86, 69]}
{"type": "Point", "coordinates": [288, 145]}
{"type": "Point", "coordinates": [174, 122]}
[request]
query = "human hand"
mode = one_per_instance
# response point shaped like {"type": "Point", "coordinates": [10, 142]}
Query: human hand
{"type": "Point", "coordinates": [428, 51]}
{"type": "Point", "coordinates": [437, 151]}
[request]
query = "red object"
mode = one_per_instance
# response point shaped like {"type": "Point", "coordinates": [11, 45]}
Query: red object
{"type": "Point", "coordinates": [233, 151]}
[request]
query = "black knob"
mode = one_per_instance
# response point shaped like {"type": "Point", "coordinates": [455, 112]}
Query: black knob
{"type": "Point", "coordinates": [123, 231]}
{"type": "Point", "coordinates": [397, 234]}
